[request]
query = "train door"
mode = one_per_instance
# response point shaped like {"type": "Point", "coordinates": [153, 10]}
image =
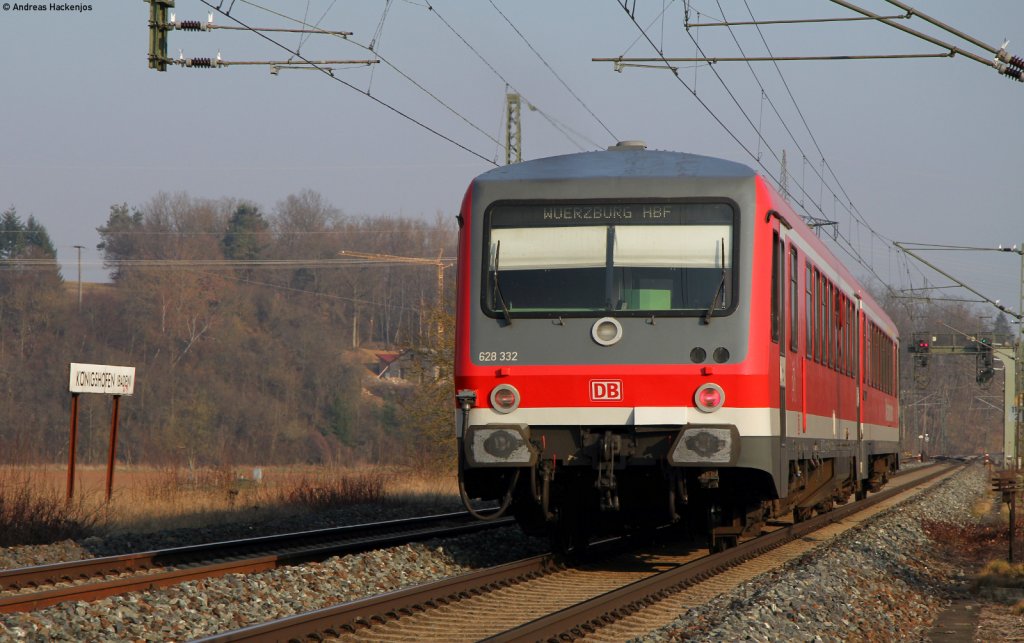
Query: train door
{"type": "Point", "coordinates": [779, 324]}
{"type": "Point", "coordinates": [858, 349]}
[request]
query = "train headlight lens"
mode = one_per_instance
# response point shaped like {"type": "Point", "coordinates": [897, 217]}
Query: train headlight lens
{"type": "Point", "coordinates": [709, 397]}
{"type": "Point", "coordinates": [606, 331]}
{"type": "Point", "coordinates": [504, 398]}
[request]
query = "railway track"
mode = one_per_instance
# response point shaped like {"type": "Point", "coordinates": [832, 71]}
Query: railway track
{"type": "Point", "coordinates": [541, 599]}
{"type": "Point", "coordinates": [31, 588]}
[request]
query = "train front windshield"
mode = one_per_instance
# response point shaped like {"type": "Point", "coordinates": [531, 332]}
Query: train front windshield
{"type": "Point", "coordinates": [628, 258]}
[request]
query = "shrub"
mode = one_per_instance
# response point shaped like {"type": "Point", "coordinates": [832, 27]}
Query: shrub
{"type": "Point", "coordinates": [32, 514]}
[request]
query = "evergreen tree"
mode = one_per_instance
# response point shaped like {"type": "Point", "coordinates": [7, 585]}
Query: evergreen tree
{"type": "Point", "coordinates": [118, 240]}
{"type": "Point", "coordinates": [12, 237]}
{"type": "Point", "coordinates": [37, 237]}
{"type": "Point", "coordinates": [245, 238]}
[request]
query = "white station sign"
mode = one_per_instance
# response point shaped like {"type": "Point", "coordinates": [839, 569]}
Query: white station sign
{"type": "Point", "coordinates": [96, 378]}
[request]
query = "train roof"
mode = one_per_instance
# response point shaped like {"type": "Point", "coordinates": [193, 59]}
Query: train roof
{"type": "Point", "coordinates": [618, 164]}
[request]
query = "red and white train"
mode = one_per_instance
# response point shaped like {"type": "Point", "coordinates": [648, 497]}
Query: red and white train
{"type": "Point", "coordinates": [646, 337]}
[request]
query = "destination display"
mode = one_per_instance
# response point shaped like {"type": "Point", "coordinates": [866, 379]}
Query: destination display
{"type": "Point", "coordinates": [570, 214]}
{"type": "Point", "coordinates": [98, 378]}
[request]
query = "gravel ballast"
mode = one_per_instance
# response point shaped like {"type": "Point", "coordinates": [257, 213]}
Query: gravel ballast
{"type": "Point", "coordinates": [200, 608]}
{"type": "Point", "coordinates": [883, 581]}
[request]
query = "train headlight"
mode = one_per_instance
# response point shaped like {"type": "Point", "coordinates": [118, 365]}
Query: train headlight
{"type": "Point", "coordinates": [606, 331]}
{"type": "Point", "coordinates": [709, 398]}
{"type": "Point", "coordinates": [706, 445]}
{"type": "Point", "coordinates": [504, 398]}
{"type": "Point", "coordinates": [499, 445]}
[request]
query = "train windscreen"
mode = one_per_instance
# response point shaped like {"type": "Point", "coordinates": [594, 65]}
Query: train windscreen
{"type": "Point", "coordinates": [629, 258]}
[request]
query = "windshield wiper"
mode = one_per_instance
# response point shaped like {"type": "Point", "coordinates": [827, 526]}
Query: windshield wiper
{"type": "Point", "coordinates": [497, 286]}
{"type": "Point", "coordinates": [706, 318]}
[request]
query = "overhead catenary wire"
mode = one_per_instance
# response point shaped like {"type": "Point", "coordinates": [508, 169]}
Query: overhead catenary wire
{"type": "Point", "coordinates": [852, 209]}
{"type": "Point", "coordinates": [1010, 70]}
{"type": "Point", "coordinates": [367, 94]}
{"type": "Point", "coordinates": [852, 251]}
{"type": "Point", "coordinates": [621, 61]}
{"type": "Point", "coordinates": [386, 62]}
{"type": "Point", "coordinates": [303, 38]}
{"type": "Point", "coordinates": [553, 72]}
{"type": "Point", "coordinates": [560, 127]}
{"type": "Point", "coordinates": [911, 11]}
{"type": "Point", "coordinates": [747, 23]}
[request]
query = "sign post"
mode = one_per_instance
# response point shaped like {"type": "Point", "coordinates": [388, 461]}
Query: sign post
{"type": "Point", "coordinates": [73, 446]}
{"type": "Point", "coordinates": [96, 378]}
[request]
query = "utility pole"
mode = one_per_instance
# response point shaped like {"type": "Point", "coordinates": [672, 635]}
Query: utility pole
{"type": "Point", "coordinates": [1018, 398]}
{"type": "Point", "coordinates": [158, 27]}
{"type": "Point", "coordinates": [513, 129]}
{"type": "Point", "coordinates": [79, 248]}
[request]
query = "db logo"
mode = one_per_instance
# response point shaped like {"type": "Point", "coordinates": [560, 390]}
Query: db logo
{"type": "Point", "coordinates": [605, 390]}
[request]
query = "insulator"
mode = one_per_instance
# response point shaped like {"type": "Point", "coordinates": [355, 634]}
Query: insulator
{"type": "Point", "coordinates": [191, 25]}
{"type": "Point", "coordinates": [1017, 62]}
{"type": "Point", "coordinates": [200, 62]}
{"type": "Point", "coordinates": [1013, 72]}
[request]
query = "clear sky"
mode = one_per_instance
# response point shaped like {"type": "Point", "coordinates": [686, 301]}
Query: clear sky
{"type": "Point", "coordinates": [927, 150]}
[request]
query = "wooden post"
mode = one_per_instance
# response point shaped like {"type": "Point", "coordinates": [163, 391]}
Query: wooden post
{"type": "Point", "coordinates": [112, 453]}
{"type": "Point", "coordinates": [72, 446]}
{"type": "Point", "coordinates": [1013, 521]}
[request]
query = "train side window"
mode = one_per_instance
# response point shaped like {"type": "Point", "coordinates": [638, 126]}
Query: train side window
{"type": "Point", "coordinates": [809, 313]}
{"type": "Point", "coordinates": [829, 326]}
{"type": "Point", "coordinates": [871, 355]}
{"type": "Point", "coordinates": [822, 348]}
{"type": "Point", "coordinates": [776, 312]}
{"type": "Point", "coordinates": [855, 331]}
{"type": "Point", "coordinates": [850, 325]}
{"type": "Point", "coordinates": [840, 332]}
{"type": "Point", "coordinates": [794, 302]}
{"type": "Point", "coordinates": [867, 353]}
{"type": "Point", "coordinates": [817, 316]}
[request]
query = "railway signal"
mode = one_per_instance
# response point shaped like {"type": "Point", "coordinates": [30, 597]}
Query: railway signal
{"type": "Point", "coordinates": [921, 347]}
{"type": "Point", "coordinates": [985, 347]}
{"type": "Point", "coordinates": [985, 362]}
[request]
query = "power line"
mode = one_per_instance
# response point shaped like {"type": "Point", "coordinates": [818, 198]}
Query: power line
{"type": "Point", "coordinates": [323, 295]}
{"type": "Point", "coordinates": [551, 69]}
{"type": "Point", "coordinates": [367, 94]}
{"type": "Point", "coordinates": [224, 263]}
{"type": "Point", "coordinates": [851, 210]}
{"type": "Point", "coordinates": [725, 23]}
{"type": "Point", "coordinates": [621, 61]}
{"type": "Point", "coordinates": [1012, 67]}
{"type": "Point", "coordinates": [557, 125]}
{"type": "Point", "coordinates": [854, 254]}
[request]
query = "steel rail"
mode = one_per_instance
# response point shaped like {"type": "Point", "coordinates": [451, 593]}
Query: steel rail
{"type": "Point", "coordinates": [577, 621]}
{"type": "Point", "coordinates": [363, 613]}
{"type": "Point", "coordinates": [210, 560]}
{"type": "Point", "coordinates": [374, 609]}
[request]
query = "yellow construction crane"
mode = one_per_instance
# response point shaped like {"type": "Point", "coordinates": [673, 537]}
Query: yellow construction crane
{"type": "Point", "coordinates": [441, 263]}
{"type": "Point", "coordinates": [384, 259]}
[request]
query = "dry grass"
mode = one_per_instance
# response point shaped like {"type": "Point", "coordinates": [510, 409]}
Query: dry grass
{"type": "Point", "coordinates": [983, 507]}
{"type": "Point", "coordinates": [31, 513]}
{"type": "Point", "coordinates": [33, 508]}
{"type": "Point", "coordinates": [1000, 573]}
